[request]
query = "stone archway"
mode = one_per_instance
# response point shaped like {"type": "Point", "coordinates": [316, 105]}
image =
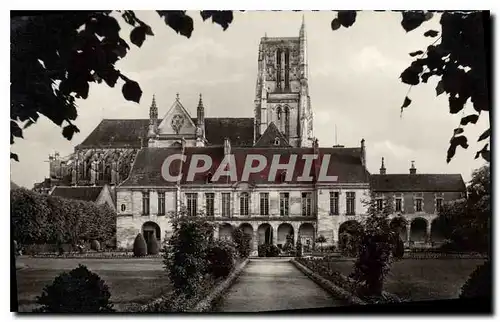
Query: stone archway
{"type": "Point", "coordinates": [284, 230]}
{"type": "Point", "coordinates": [225, 231]}
{"type": "Point", "coordinates": [306, 233]}
{"type": "Point", "coordinates": [151, 230]}
{"type": "Point", "coordinates": [265, 234]}
{"type": "Point", "coordinates": [418, 230]}
{"type": "Point", "coordinates": [399, 225]}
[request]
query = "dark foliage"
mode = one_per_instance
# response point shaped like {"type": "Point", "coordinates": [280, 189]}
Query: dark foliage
{"type": "Point", "coordinates": [221, 256]}
{"type": "Point", "coordinates": [242, 241]}
{"type": "Point", "coordinates": [153, 246]}
{"type": "Point", "coordinates": [185, 258]}
{"type": "Point", "coordinates": [298, 247]}
{"type": "Point", "coordinates": [42, 219]}
{"type": "Point", "coordinates": [458, 58]}
{"type": "Point", "coordinates": [55, 57]}
{"type": "Point", "coordinates": [140, 247]}
{"type": "Point", "coordinates": [79, 291]}
{"type": "Point", "coordinates": [480, 282]}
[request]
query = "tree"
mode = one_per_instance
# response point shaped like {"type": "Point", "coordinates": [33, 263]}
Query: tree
{"type": "Point", "coordinates": [378, 244]}
{"type": "Point", "coordinates": [55, 56]}
{"type": "Point", "coordinates": [140, 248]}
{"type": "Point", "coordinates": [466, 222]}
{"type": "Point", "coordinates": [458, 58]}
{"type": "Point", "coordinates": [79, 291]}
{"type": "Point", "coordinates": [242, 241]}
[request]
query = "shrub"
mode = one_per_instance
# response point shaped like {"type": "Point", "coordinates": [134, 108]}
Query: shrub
{"type": "Point", "coordinates": [242, 241]}
{"type": "Point", "coordinates": [95, 245]}
{"type": "Point", "coordinates": [479, 283]}
{"type": "Point", "coordinates": [140, 247]}
{"type": "Point", "coordinates": [263, 249]}
{"type": "Point", "coordinates": [185, 256]}
{"type": "Point", "coordinates": [153, 246]}
{"type": "Point", "coordinates": [273, 251]}
{"type": "Point", "coordinates": [298, 248]}
{"type": "Point", "coordinates": [79, 291]}
{"type": "Point", "coordinates": [221, 258]}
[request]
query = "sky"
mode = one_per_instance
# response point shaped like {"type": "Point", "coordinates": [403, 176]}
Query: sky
{"type": "Point", "coordinates": [353, 83]}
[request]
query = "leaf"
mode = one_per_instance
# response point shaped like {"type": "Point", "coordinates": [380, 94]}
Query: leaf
{"type": "Point", "coordinates": [458, 131]}
{"type": "Point", "coordinates": [28, 124]}
{"type": "Point", "coordinates": [439, 88]}
{"type": "Point", "coordinates": [431, 33]}
{"type": "Point", "coordinates": [346, 17]}
{"type": "Point", "coordinates": [412, 20]}
{"type": "Point", "coordinates": [411, 74]}
{"type": "Point", "coordinates": [428, 15]}
{"type": "Point", "coordinates": [178, 21]}
{"type": "Point", "coordinates": [15, 130]}
{"type": "Point", "coordinates": [480, 152]}
{"type": "Point", "coordinates": [14, 156]}
{"type": "Point", "coordinates": [335, 24]}
{"type": "Point", "coordinates": [132, 91]}
{"type": "Point", "coordinates": [486, 134]}
{"type": "Point", "coordinates": [221, 17]}
{"type": "Point", "coordinates": [456, 104]}
{"type": "Point", "coordinates": [416, 53]}
{"type": "Point", "coordinates": [406, 102]}
{"type": "Point", "coordinates": [469, 119]}
{"type": "Point", "coordinates": [138, 35]}
{"type": "Point", "coordinates": [454, 143]}
{"type": "Point", "coordinates": [69, 130]}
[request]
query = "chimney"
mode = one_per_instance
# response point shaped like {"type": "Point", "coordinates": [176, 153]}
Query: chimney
{"type": "Point", "coordinates": [413, 170]}
{"type": "Point", "coordinates": [363, 153]}
{"type": "Point", "coordinates": [382, 167]}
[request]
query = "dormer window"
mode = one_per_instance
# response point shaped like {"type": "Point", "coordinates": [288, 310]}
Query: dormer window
{"type": "Point", "coordinates": [208, 177]}
{"type": "Point", "coordinates": [276, 141]}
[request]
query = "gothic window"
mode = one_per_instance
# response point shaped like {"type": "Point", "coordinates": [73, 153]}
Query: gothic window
{"type": "Point", "coordinates": [287, 121]}
{"type": "Point", "coordinates": [380, 204]}
{"type": "Point", "coordinates": [399, 204]}
{"type": "Point", "coordinates": [278, 114]}
{"type": "Point", "coordinates": [418, 205]}
{"type": "Point", "coordinates": [209, 203]}
{"type": "Point", "coordinates": [287, 69]}
{"type": "Point", "coordinates": [439, 204]}
{"type": "Point", "coordinates": [278, 68]}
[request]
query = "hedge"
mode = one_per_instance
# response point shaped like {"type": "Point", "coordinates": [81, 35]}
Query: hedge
{"type": "Point", "coordinates": [43, 219]}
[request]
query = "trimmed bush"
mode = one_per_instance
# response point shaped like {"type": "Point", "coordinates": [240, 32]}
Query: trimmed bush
{"type": "Point", "coordinates": [262, 250]}
{"type": "Point", "coordinates": [479, 283]}
{"type": "Point", "coordinates": [242, 242]}
{"type": "Point", "coordinates": [298, 247]}
{"type": "Point", "coordinates": [95, 245]}
{"type": "Point", "coordinates": [79, 291]}
{"type": "Point", "coordinates": [140, 247]}
{"type": "Point", "coordinates": [153, 246]}
{"type": "Point", "coordinates": [273, 251]}
{"type": "Point", "coordinates": [221, 258]}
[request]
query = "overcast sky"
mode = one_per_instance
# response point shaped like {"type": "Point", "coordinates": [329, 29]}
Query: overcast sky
{"type": "Point", "coordinates": [353, 82]}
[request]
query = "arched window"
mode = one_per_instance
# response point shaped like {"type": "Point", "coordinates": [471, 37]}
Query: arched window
{"type": "Point", "coordinates": [287, 122]}
{"type": "Point", "coordinates": [278, 68]}
{"type": "Point", "coordinates": [276, 141]}
{"type": "Point", "coordinates": [278, 113]}
{"type": "Point", "coordinates": [287, 69]}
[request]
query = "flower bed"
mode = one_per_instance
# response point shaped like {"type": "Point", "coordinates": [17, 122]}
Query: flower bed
{"type": "Point", "coordinates": [323, 267]}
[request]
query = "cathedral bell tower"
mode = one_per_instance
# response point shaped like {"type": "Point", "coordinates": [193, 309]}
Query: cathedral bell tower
{"type": "Point", "coordinates": [282, 90]}
{"type": "Point", "coordinates": [200, 124]}
{"type": "Point", "coordinates": [153, 119]}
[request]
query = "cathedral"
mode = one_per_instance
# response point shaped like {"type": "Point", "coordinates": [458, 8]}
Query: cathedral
{"type": "Point", "coordinates": [128, 154]}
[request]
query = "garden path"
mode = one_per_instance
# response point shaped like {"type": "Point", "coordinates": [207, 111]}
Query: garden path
{"type": "Point", "coordinates": [271, 285]}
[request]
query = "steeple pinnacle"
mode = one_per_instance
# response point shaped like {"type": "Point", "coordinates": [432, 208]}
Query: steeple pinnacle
{"type": "Point", "coordinates": [382, 167]}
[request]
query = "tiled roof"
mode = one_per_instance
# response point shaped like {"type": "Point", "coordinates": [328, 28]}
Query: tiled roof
{"type": "Point", "coordinates": [417, 182]}
{"type": "Point", "coordinates": [128, 132]}
{"type": "Point", "coordinates": [269, 136]}
{"type": "Point", "coordinates": [146, 171]}
{"type": "Point", "coordinates": [78, 193]}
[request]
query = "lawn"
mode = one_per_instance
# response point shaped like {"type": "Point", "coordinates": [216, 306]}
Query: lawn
{"type": "Point", "coordinates": [131, 281]}
{"type": "Point", "coordinates": [422, 279]}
